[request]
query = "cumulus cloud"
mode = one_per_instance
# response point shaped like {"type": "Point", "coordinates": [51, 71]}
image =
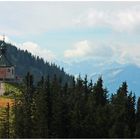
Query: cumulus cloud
{"type": "Point", "coordinates": [35, 17]}
{"type": "Point", "coordinates": [37, 50]}
{"type": "Point", "coordinates": [123, 53]}
{"type": "Point", "coordinates": [127, 53]}
{"type": "Point", "coordinates": [40, 17]}
{"type": "Point", "coordinates": [80, 49]}
{"type": "Point", "coordinates": [118, 20]}
{"type": "Point", "coordinates": [87, 49]}
{"type": "Point", "coordinates": [33, 48]}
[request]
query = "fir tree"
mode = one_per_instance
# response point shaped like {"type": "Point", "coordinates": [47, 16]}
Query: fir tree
{"type": "Point", "coordinates": [137, 133]}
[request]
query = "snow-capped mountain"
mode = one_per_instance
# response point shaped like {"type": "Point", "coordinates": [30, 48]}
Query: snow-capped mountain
{"type": "Point", "coordinates": [130, 73]}
{"type": "Point", "coordinates": [113, 74]}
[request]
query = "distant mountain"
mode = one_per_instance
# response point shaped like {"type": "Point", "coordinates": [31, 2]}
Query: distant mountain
{"type": "Point", "coordinates": [26, 62]}
{"type": "Point", "coordinates": [130, 73]}
{"type": "Point", "coordinates": [89, 67]}
{"type": "Point", "coordinates": [113, 73]}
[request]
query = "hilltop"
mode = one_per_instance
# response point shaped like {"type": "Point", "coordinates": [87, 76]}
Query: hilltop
{"type": "Point", "coordinates": [27, 62]}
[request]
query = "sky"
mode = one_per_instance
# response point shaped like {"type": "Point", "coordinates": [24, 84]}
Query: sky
{"type": "Point", "coordinates": [74, 31]}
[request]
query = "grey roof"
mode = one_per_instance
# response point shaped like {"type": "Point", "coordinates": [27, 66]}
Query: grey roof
{"type": "Point", "coordinates": [4, 61]}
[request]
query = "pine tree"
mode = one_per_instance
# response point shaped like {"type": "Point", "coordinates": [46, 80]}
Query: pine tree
{"type": "Point", "coordinates": [76, 108]}
{"type": "Point", "coordinates": [49, 106]}
{"type": "Point", "coordinates": [130, 114]}
{"type": "Point", "coordinates": [100, 94]}
{"type": "Point", "coordinates": [27, 105]}
{"type": "Point", "coordinates": [18, 124]}
{"type": "Point", "coordinates": [52, 109]}
{"type": "Point", "coordinates": [137, 133]}
{"type": "Point", "coordinates": [43, 110]}
{"type": "Point", "coordinates": [5, 123]}
{"type": "Point", "coordinates": [60, 109]}
{"type": "Point", "coordinates": [119, 102]}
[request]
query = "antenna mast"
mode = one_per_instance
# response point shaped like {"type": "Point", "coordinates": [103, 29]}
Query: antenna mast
{"type": "Point", "coordinates": [3, 38]}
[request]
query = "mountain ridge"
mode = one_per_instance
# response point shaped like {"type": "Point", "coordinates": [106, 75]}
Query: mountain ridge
{"type": "Point", "coordinates": [27, 62]}
{"type": "Point", "coordinates": [113, 74]}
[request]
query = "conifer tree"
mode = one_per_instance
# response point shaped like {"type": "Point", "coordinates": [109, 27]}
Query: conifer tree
{"type": "Point", "coordinates": [5, 123]}
{"type": "Point", "coordinates": [137, 133]}
{"type": "Point", "coordinates": [119, 102]}
{"type": "Point", "coordinates": [40, 113]}
{"type": "Point", "coordinates": [100, 94]}
{"type": "Point", "coordinates": [18, 123]}
{"type": "Point", "coordinates": [130, 114]}
{"type": "Point", "coordinates": [27, 105]}
{"type": "Point", "coordinates": [52, 109]}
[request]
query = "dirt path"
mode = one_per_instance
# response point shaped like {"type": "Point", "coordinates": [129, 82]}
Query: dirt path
{"type": "Point", "coordinates": [2, 90]}
{"type": "Point", "coordinates": [5, 101]}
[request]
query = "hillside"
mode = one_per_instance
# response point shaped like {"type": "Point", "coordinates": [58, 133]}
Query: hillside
{"type": "Point", "coordinates": [26, 62]}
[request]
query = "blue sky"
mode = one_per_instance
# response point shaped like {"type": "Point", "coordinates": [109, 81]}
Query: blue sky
{"type": "Point", "coordinates": [74, 31]}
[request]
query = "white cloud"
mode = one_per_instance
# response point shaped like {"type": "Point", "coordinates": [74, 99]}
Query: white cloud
{"type": "Point", "coordinates": [80, 49]}
{"type": "Point", "coordinates": [123, 53]}
{"type": "Point", "coordinates": [86, 49]}
{"type": "Point", "coordinates": [128, 54]}
{"type": "Point", "coordinates": [35, 49]}
{"type": "Point", "coordinates": [118, 20]}
{"type": "Point", "coordinates": [39, 17]}
{"type": "Point", "coordinates": [35, 17]}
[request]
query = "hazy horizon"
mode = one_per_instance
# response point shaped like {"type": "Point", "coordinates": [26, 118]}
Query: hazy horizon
{"type": "Point", "coordinates": [107, 32]}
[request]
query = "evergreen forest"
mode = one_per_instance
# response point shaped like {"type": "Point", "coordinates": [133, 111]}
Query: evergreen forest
{"type": "Point", "coordinates": [85, 109]}
{"type": "Point", "coordinates": [49, 103]}
{"type": "Point", "coordinates": [25, 62]}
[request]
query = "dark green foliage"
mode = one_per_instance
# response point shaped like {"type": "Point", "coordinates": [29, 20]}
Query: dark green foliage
{"type": "Point", "coordinates": [100, 94]}
{"type": "Point", "coordinates": [18, 123]}
{"type": "Point", "coordinates": [60, 106]}
{"type": "Point", "coordinates": [137, 134]}
{"type": "Point", "coordinates": [23, 110]}
{"type": "Point", "coordinates": [50, 109]}
{"type": "Point", "coordinates": [5, 123]}
{"type": "Point", "coordinates": [26, 62]}
{"type": "Point", "coordinates": [123, 113]}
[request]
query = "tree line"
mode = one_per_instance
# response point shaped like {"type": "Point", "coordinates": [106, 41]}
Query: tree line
{"type": "Point", "coordinates": [50, 109]}
{"type": "Point", "coordinates": [25, 62]}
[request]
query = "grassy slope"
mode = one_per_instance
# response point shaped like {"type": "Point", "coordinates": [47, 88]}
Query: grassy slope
{"type": "Point", "coordinates": [12, 90]}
